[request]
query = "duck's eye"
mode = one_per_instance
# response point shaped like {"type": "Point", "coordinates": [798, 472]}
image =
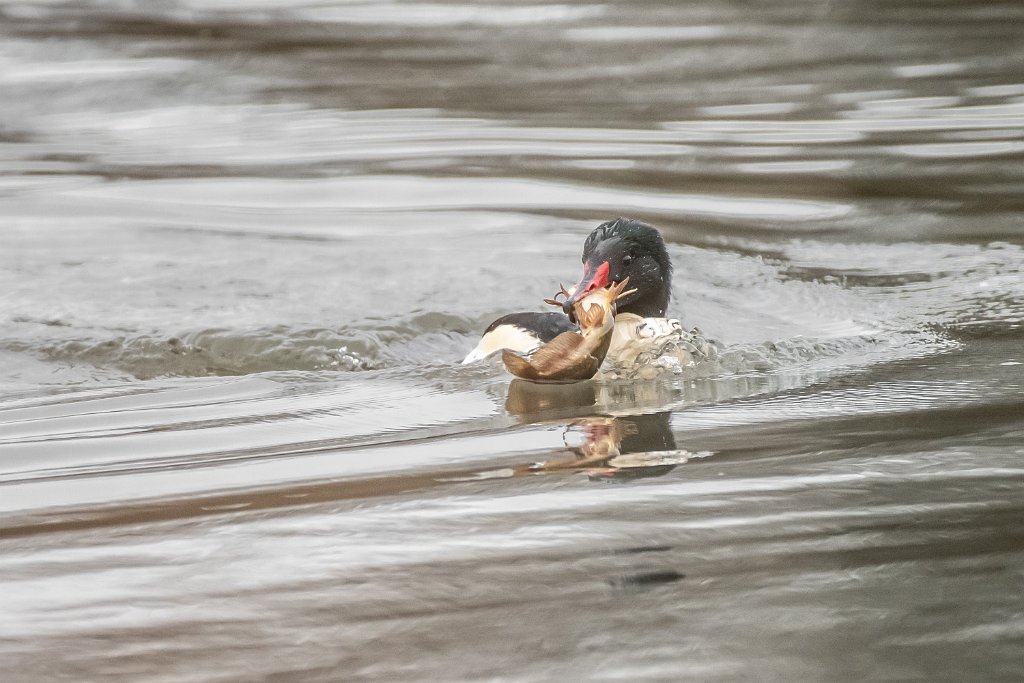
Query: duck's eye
{"type": "Point", "coordinates": [627, 259]}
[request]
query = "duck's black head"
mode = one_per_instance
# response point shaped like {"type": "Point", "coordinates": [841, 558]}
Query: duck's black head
{"type": "Point", "coordinates": [626, 248]}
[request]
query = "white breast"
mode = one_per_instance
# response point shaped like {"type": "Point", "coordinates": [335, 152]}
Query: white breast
{"type": "Point", "coordinates": [643, 348]}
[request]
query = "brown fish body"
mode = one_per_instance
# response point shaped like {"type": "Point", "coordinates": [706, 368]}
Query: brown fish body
{"type": "Point", "coordinates": [573, 356]}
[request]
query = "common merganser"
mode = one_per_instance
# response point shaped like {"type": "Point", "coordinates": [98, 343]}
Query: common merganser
{"type": "Point", "coordinates": [644, 343]}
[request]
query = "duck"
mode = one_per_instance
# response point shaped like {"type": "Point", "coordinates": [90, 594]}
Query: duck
{"type": "Point", "coordinates": [644, 343]}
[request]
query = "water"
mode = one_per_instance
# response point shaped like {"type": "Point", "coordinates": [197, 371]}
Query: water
{"type": "Point", "coordinates": [246, 244]}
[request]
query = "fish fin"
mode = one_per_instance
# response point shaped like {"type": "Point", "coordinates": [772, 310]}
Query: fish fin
{"type": "Point", "coordinates": [591, 316]}
{"type": "Point", "coordinates": [615, 290]}
{"type": "Point", "coordinates": [618, 291]}
{"type": "Point", "coordinates": [519, 366]}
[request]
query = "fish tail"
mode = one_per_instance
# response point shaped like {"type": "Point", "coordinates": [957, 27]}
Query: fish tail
{"type": "Point", "coordinates": [519, 366]}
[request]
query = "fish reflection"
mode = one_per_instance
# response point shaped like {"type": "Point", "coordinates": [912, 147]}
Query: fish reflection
{"type": "Point", "coordinates": [625, 447]}
{"type": "Point", "coordinates": [604, 446]}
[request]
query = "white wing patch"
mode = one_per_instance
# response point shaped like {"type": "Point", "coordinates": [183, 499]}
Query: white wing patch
{"type": "Point", "coordinates": [503, 337]}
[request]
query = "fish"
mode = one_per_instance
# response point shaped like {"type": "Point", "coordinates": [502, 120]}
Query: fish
{"type": "Point", "coordinates": [573, 356]}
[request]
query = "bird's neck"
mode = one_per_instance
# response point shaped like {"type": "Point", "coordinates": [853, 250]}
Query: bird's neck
{"type": "Point", "coordinates": [653, 306]}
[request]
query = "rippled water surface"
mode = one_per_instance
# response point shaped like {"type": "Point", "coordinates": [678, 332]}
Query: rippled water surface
{"type": "Point", "coordinates": [245, 245]}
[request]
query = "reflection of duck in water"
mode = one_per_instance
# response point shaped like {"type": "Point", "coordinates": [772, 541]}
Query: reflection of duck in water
{"type": "Point", "coordinates": [643, 343]}
{"type": "Point", "coordinates": [604, 446]}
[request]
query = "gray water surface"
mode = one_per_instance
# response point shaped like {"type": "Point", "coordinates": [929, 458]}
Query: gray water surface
{"type": "Point", "coordinates": [244, 246]}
